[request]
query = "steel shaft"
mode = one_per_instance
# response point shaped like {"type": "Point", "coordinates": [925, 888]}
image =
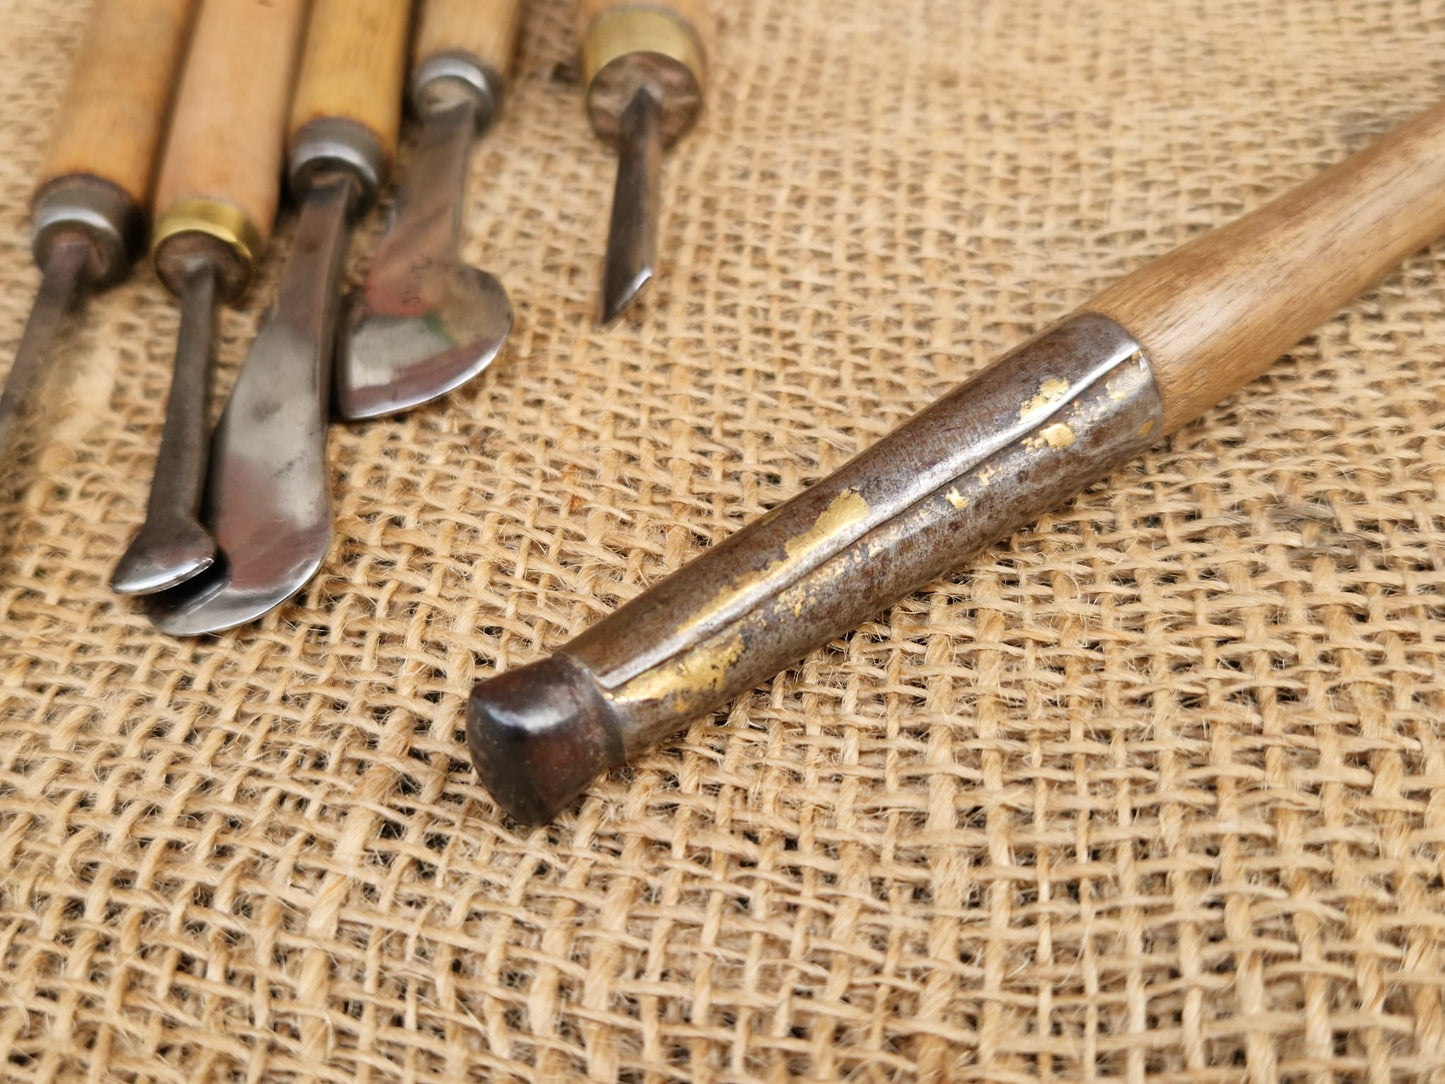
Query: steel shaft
{"type": "Point", "coordinates": [1028, 432]}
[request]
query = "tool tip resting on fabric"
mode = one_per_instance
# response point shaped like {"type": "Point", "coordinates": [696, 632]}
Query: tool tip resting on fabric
{"type": "Point", "coordinates": [425, 322]}
{"type": "Point", "coordinates": [643, 69]}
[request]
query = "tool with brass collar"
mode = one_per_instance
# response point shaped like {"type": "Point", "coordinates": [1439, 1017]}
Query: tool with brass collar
{"type": "Point", "coordinates": [424, 322]}
{"type": "Point", "coordinates": [1140, 360]}
{"type": "Point", "coordinates": [643, 67]}
{"type": "Point", "coordinates": [267, 501]}
{"type": "Point", "coordinates": [219, 185]}
{"type": "Point", "coordinates": [88, 215]}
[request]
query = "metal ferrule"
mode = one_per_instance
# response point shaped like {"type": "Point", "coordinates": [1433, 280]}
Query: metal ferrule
{"type": "Point", "coordinates": [328, 144]}
{"type": "Point", "coordinates": [213, 230]}
{"type": "Point", "coordinates": [443, 80]}
{"type": "Point", "coordinates": [109, 219]}
{"type": "Point", "coordinates": [631, 48]}
{"type": "Point", "coordinates": [1035, 428]}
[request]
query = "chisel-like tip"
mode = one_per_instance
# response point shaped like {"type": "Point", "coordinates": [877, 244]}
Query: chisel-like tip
{"type": "Point", "coordinates": [632, 235]}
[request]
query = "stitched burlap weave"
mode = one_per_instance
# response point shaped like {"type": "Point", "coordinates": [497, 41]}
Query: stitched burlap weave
{"type": "Point", "coordinates": [1152, 788]}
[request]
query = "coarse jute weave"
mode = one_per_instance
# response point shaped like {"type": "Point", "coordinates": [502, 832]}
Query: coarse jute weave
{"type": "Point", "coordinates": [1152, 788]}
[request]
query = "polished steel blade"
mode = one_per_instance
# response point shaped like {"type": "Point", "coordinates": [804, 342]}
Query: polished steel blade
{"type": "Point", "coordinates": [424, 323]}
{"type": "Point", "coordinates": [632, 235]}
{"type": "Point", "coordinates": [172, 545]}
{"type": "Point", "coordinates": [267, 499]}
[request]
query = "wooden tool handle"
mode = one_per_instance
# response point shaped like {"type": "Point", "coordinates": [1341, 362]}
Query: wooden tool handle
{"type": "Point", "coordinates": [628, 45]}
{"type": "Point", "coordinates": [116, 103]}
{"type": "Point", "coordinates": [1215, 313]}
{"type": "Point", "coordinates": [353, 66]}
{"type": "Point", "coordinates": [486, 29]}
{"type": "Point", "coordinates": [221, 173]}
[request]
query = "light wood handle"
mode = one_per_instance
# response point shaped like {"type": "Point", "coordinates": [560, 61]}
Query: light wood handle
{"type": "Point", "coordinates": [221, 173]}
{"type": "Point", "coordinates": [1217, 312]}
{"type": "Point", "coordinates": [353, 66]}
{"type": "Point", "coordinates": [115, 106]}
{"type": "Point", "coordinates": [487, 29]}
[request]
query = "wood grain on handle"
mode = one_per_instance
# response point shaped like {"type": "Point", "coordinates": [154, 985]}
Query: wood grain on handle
{"type": "Point", "coordinates": [693, 12]}
{"type": "Point", "coordinates": [228, 134]}
{"type": "Point", "coordinates": [116, 104]}
{"type": "Point", "coordinates": [1215, 313]}
{"type": "Point", "coordinates": [353, 66]}
{"type": "Point", "coordinates": [487, 29]}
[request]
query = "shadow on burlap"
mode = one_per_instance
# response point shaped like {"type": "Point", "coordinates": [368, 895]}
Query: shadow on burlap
{"type": "Point", "coordinates": [1154, 786]}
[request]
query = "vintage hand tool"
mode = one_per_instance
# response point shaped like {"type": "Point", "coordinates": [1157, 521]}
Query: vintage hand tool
{"type": "Point", "coordinates": [1059, 412]}
{"type": "Point", "coordinates": [216, 198]}
{"type": "Point", "coordinates": [643, 66]}
{"type": "Point", "coordinates": [267, 499]}
{"type": "Point", "coordinates": [425, 322]}
{"type": "Point", "coordinates": [88, 216]}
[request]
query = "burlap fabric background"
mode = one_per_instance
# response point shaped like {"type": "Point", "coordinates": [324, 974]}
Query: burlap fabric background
{"type": "Point", "coordinates": [1153, 787]}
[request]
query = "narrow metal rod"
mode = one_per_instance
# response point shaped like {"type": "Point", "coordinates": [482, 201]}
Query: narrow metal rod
{"type": "Point", "coordinates": [171, 545]}
{"type": "Point", "coordinates": [61, 282]}
{"type": "Point", "coordinates": [632, 236]}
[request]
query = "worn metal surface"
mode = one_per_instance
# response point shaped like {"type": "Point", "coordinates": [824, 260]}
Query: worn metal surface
{"type": "Point", "coordinates": [632, 232]}
{"type": "Point", "coordinates": [172, 544]}
{"type": "Point", "coordinates": [424, 322]}
{"type": "Point", "coordinates": [267, 500]}
{"type": "Point", "coordinates": [1031, 430]}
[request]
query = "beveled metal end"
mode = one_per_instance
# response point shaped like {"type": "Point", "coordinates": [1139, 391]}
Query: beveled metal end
{"type": "Point", "coordinates": [443, 80]}
{"type": "Point", "coordinates": [102, 212]}
{"type": "Point", "coordinates": [329, 144]}
{"type": "Point", "coordinates": [634, 47]}
{"type": "Point", "coordinates": [538, 735]}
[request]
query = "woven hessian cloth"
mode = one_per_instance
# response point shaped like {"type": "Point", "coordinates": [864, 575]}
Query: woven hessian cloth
{"type": "Point", "coordinates": [1154, 787]}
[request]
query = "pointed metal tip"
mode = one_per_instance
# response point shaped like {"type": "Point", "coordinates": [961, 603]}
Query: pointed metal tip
{"type": "Point", "coordinates": [618, 295]}
{"type": "Point", "coordinates": [632, 232]}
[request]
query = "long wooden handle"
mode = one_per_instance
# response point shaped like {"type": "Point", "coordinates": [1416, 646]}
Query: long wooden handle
{"type": "Point", "coordinates": [221, 173]}
{"type": "Point", "coordinates": [116, 103]}
{"type": "Point", "coordinates": [486, 29]}
{"type": "Point", "coordinates": [353, 66]}
{"type": "Point", "coordinates": [1215, 313]}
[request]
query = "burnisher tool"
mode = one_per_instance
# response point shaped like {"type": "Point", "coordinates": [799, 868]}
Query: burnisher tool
{"type": "Point", "coordinates": [643, 68]}
{"type": "Point", "coordinates": [216, 198]}
{"type": "Point", "coordinates": [267, 500]}
{"type": "Point", "coordinates": [425, 322]}
{"type": "Point", "coordinates": [1057, 414]}
{"type": "Point", "coordinates": [88, 214]}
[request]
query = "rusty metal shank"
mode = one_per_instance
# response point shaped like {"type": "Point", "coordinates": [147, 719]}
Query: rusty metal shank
{"type": "Point", "coordinates": [1036, 427]}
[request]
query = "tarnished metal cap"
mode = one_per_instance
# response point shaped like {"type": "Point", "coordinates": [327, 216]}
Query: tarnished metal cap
{"type": "Point", "coordinates": [631, 48]}
{"type": "Point", "coordinates": [100, 211]}
{"type": "Point", "coordinates": [214, 230]}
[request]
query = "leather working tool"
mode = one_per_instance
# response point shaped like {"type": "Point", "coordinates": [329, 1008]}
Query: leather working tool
{"type": "Point", "coordinates": [216, 198]}
{"type": "Point", "coordinates": [88, 213]}
{"type": "Point", "coordinates": [267, 498]}
{"type": "Point", "coordinates": [424, 322]}
{"type": "Point", "coordinates": [643, 69]}
{"type": "Point", "coordinates": [1061, 411]}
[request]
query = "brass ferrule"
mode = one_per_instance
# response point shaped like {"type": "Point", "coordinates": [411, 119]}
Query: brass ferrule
{"type": "Point", "coordinates": [213, 229]}
{"type": "Point", "coordinates": [630, 48]}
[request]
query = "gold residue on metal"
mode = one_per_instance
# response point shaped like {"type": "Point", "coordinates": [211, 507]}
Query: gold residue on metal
{"type": "Point", "coordinates": [957, 499]}
{"type": "Point", "coordinates": [843, 511]}
{"type": "Point", "coordinates": [1059, 435]}
{"type": "Point", "coordinates": [1146, 428]}
{"type": "Point", "coordinates": [689, 679]}
{"type": "Point", "coordinates": [1051, 390]}
{"type": "Point", "coordinates": [985, 476]}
